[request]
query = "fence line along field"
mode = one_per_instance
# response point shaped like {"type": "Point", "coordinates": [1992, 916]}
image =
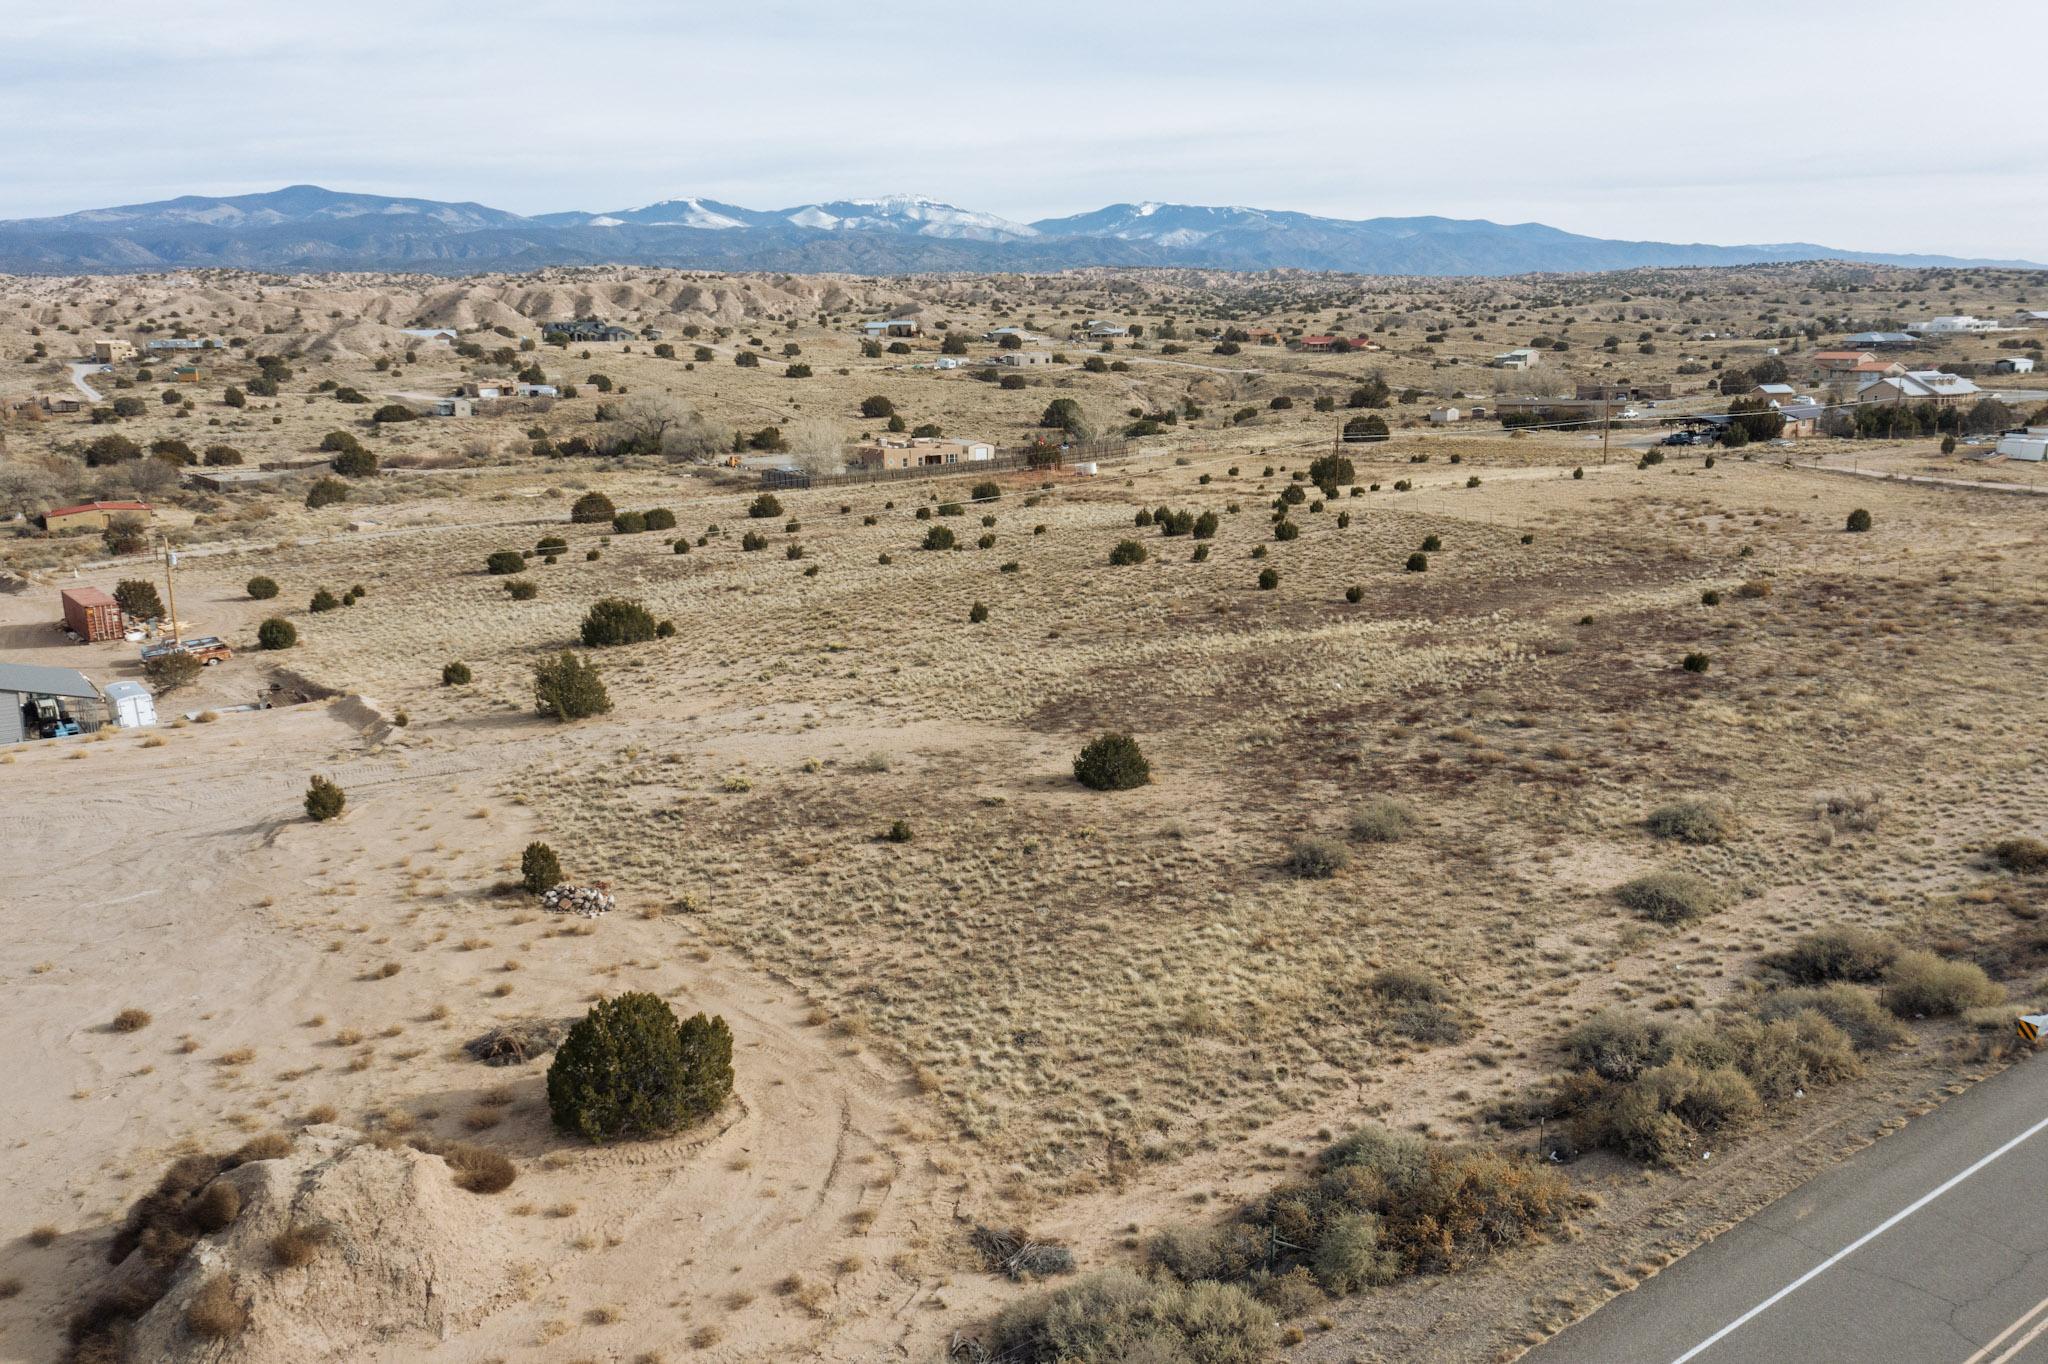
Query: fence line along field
{"type": "Point", "coordinates": [1501, 828]}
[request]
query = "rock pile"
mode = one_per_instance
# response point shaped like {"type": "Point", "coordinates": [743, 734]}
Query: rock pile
{"type": "Point", "coordinates": [586, 901]}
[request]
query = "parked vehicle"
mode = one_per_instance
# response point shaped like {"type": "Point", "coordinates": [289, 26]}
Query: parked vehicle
{"type": "Point", "coordinates": [208, 649]}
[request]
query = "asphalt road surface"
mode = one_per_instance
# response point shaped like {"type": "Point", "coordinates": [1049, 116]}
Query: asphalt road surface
{"type": "Point", "coordinates": [1929, 1247]}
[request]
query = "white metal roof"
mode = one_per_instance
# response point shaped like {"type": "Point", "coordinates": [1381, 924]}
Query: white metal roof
{"type": "Point", "coordinates": [33, 679]}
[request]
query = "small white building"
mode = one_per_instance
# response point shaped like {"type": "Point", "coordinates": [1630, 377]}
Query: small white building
{"type": "Point", "coordinates": [2015, 364]}
{"type": "Point", "coordinates": [130, 704]}
{"type": "Point", "coordinates": [2031, 447]}
{"type": "Point", "coordinates": [538, 391]}
{"type": "Point", "coordinates": [1103, 330]}
{"type": "Point", "coordinates": [1521, 358]}
{"type": "Point", "coordinates": [1022, 358]}
{"type": "Point", "coordinates": [430, 333]}
{"type": "Point", "coordinates": [1444, 416]}
{"type": "Point", "coordinates": [1950, 326]}
{"type": "Point", "coordinates": [455, 407]}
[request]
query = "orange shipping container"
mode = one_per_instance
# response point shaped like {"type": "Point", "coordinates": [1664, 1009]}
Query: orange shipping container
{"type": "Point", "coordinates": [91, 614]}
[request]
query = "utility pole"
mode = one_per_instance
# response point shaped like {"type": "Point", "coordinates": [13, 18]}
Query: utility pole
{"type": "Point", "coordinates": [171, 590]}
{"type": "Point", "coordinates": [1606, 426]}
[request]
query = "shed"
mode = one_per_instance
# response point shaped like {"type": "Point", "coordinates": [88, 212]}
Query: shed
{"type": "Point", "coordinates": [2015, 364]}
{"type": "Point", "coordinates": [131, 705]}
{"type": "Point", "coordinates": [31, 695]}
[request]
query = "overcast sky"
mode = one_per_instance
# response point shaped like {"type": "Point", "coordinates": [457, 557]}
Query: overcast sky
{"type": "Point", "coordinates": [1881, 126]}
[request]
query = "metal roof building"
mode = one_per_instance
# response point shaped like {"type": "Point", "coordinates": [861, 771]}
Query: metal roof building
{"type": "Point", "coordinates": [20, 683]}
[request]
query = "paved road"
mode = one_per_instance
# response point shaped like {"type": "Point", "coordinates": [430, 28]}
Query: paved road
{"type": "Point", "coordinates": [1930, 1247]}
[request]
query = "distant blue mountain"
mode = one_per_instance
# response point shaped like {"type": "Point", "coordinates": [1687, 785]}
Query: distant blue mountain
{"type": "Point", "coordinates": [305, 227]}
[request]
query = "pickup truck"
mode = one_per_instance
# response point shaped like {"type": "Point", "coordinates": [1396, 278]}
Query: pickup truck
{"type": "Point", "coordinates": [208, 649]}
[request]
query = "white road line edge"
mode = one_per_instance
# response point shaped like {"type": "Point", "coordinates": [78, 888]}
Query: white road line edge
{"type": "Point", "coordinates": [2000, 1338]}
{"type": "Point", "coordinates": [2024, 1341]}
{"type": "Point", "coordinates": [1846, 1251]}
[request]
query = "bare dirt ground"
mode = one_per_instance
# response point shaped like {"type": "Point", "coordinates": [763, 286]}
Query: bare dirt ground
{"type": "Point", "coordinates": [1094, 1015]}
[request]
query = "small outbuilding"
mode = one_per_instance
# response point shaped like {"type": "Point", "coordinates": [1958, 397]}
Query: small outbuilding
{"type": "Point", "coordinates": [38, 702]}
{"type": "Point", "coordinates": [131, 705]}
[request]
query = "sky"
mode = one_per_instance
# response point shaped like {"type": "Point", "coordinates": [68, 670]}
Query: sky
{"type": "Point", "coordinates": [1887, 126]}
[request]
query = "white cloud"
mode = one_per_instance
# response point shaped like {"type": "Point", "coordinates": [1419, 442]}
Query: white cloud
{"type": "Point", "coordinates": [1745, 122]}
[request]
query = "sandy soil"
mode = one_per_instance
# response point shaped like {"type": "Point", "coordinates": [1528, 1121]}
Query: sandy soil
{"type": "Point", "coordinates": [1092, 1015]}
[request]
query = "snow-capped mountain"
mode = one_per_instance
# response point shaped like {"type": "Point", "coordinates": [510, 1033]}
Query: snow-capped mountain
{"type": "Point", "coordinates": [305, 227]}
{"type": "Point", "coordinates": [706, 214]}
{"type": "Point", "coordinates": [909, 213]}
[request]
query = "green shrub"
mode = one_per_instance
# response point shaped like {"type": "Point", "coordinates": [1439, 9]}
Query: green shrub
{"type": "Point", "coordinates": [1840, 953]}
{"type": "Point", "coordinates": [1269, 578]}
{"type": "Point", "coordinates": [1118, 1315]}
{"type": "Point", "coordinates": [1695, 663]}
{"type": "Point", "coordinates": [539, 868]}
{"type": "Point", "coordinates": [630, 1069]}
{"type": "Point", "coordinates": [977, 613]}
{"type": "Point", "coordinates": [764, 507]}
{"type": "Point", "coordinates": [1286, 530]}
{"type": "Point", "coordinates": [325, 493]}
{"type": "Point", "coordinates": [1316, 859]}
{"type": "Point", "coordinates": [138, 597]}
{"type": "Point", "coordinates": [938, 538]}
{"type": "Point", "coordinates": [986, 491]}
{"type": "Point", "coordinates": [455, 675]}
{"type": "Point", "coordinates": [753, 540]}
{"type": "Point", "coordinates": [615, 620]}
{"type": "Point", "coordinates": [1418, 562]}
{"type": "Point", "coordinates": [324, 800]}
{"type": "Point", "coordinates": [592, 509]}
{"type": "Point", "coordinates": [1859, 521]}
{"type": "Point", "coordinates": [521, 589]}
{"type": "Point", "coordinates": [276, 633]}
{"type": "Point", "coordinates": [898, 832]}
{"type": "Point", "coordinates": [1332, 471]}
{"type": "Point", "coordinates": [1923, 985]}
{"type": "Point", "coordinates": [323, 600]}
{"type": "Point", "coordinates": [1112, 762]}
{"type": "Point", "coordinates": [168, 672]}
{"type": "Point", "coordinates": [569, 688]}
{"type": "Point", "coordinates": [1692, 821]}
{"type": "Point", "coordinates": [1432, 543]}
{"type": "Point", "coordinates": [1205, 526]}
{"type": "Point", "coordinates": [1128, 552]}
{"type": "Point", "coordinates": [356, 463]}
{"type": "Point", "coordinates": [1669, 897]}
{"type": "Point", "coordinates": [261, 589]}
{"type": "Point", "coordinates": [629, 523]}
{"type": "Point", "coordinates": [505, 561]}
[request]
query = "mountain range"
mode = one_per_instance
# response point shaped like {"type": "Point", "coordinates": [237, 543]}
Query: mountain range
{"type": "Point", "coordinates": [307, 228]}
